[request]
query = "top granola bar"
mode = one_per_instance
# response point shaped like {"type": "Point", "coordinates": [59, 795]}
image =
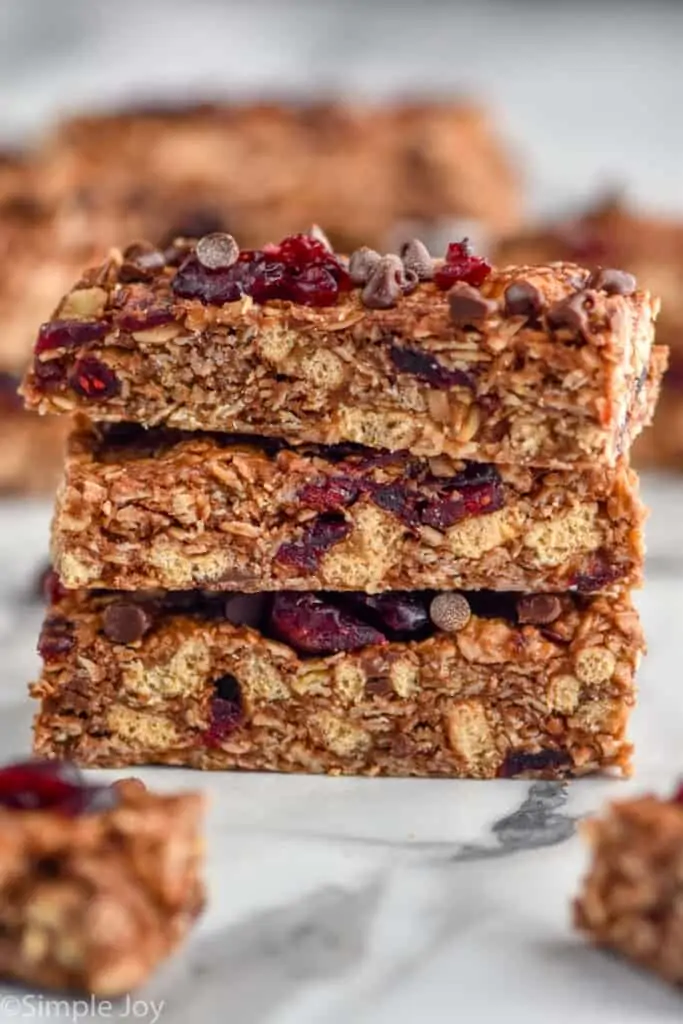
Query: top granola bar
{"type": "Point", "coordinates": [548, 366]}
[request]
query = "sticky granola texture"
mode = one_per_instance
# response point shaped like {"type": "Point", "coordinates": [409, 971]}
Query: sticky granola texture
{"type": "Point", "coordinates": [614, 235]}
{"type": "Point", "coordinates": [496, 698]}
{"type": "Point", "coordinates": [94, 903]}
{"type": "Point", "coordinates": [629, 900]}
{"type": "Point", "coordinates": [142, 509]}
{"type": "Point", "coordinates": [524, 393]}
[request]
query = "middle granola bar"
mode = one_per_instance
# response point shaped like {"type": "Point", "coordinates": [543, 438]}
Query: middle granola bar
{"type": "Point", "coordinates": [166, 509]}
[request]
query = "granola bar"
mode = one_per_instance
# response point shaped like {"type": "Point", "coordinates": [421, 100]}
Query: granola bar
{"type": "Point", "coordinates": [478, 685]}
{"type": "Point", "coordinates": [264, 170]}
{"type": "Point", "coordinates": [542, 366]}
{"type": "Point", "coordinates": [630, 898]}
{"type": "Point", "coordinates": [142, 509]}
{"type": "Point", "coordinates": [98, 884]}
{"type": "Point", "coordinates": [614, 234]}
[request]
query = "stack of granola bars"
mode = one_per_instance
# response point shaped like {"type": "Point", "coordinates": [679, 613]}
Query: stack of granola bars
{"type": "Point", "coordinates": [370, 517]}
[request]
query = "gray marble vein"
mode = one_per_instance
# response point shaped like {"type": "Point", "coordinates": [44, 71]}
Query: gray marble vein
{"type": "Point", "coordinates": [256, 965]}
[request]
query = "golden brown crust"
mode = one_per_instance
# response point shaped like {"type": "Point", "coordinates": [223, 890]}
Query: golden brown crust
{"type": "Point", "coordinates": [138, 510]}
{"type": "Point", "coordinates": [629, 900]}
{"type": "Point", "coordinates": [94, 903]}
{"type": "Point", "coordinates": [612, 234]}
{"type": "Point", "coordinates": [525, 394]}
{"type": "Point", "coordinates": [495, 698]}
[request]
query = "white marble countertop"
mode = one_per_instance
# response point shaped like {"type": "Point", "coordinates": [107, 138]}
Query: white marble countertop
{"type": "Point", "coordinates": [387, 901]}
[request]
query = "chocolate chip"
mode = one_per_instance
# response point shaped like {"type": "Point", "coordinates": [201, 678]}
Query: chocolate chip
{"type": "Point", "coordinates": [548, 762]}
{"type": "Point", "coordinates": [572, 312]}
{"type": "Point", "coordinates": [450, 612]}
{"type": "Point", "coordinates": [217, 251]}
{"type": "Point", "coordinates": [416, 257]}
{"type": "Point", "coordinates": [522, 298]}
{"type": "Point", "coordinates": [538, 609]}
{"type": "Point", "coordinates": [614, 282]}
{"type": "Point", "coordinates": [140, 262]}
{"type": "Point", "coordinates": [468, 305]}
{"type": "Point", "coordinates": [362, 262]}
{"type": "Point", "coordinates": [318, 235]}
{"type": "Point", "coordinates": [125, 622]}
{"type": "Point", "coordinates": [385, 285]}
{"type": "Point", "coordinates": [378, 686]}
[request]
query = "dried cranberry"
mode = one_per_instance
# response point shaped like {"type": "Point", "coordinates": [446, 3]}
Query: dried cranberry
{"type": "Point", "coordinates": [226, 710]}
{"type": "Point", "coordinates": [56, 638]}
{"type": "Point", "coordinates": [547, 762]}
{"type": "Point", "coordinates": [599, 574]}
{"type": "Point", "coordinates": [50, 373]}
{"type": "Point", "coordinates": [428, 369]}
{"type": "Point", "coordinates": [141, 314]}
{"type": "Point", "coordinates": [443, 512]}
{"type": "Point", "coordinates": [322, 534]}
{"type": "Point", "coordinates": [397, 499]}
{"type": "Point", "coordinates": [299, 269]}
{"type": "Point", "coordinates": [331, 493]}
{"type": "Point", "coordinates": [401, 613]}
{"type": "Point", "coordinates": [461, 265]}
{"type": "Point", "coordinates": [52, 786]}
{"type": "Point", "coordinates": [69, 334]}
{"type": "Point", "coordinates": [49, 585]}
{"type": "Point", "coordinates": [678, 795]}
{"type": "Point", "coordinates": [311, 625]}
{"type": "Point", "coordinates": [92, 379]}
{"type": "Point", "coordinates": [10, 400]}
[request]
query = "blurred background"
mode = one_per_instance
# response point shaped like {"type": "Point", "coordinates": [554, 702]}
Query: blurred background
{"type": "Point", "coordinates": [587, 92]}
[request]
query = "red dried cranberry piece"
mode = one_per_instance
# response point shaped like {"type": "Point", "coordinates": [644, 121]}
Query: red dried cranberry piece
{"type": "Point", "coordinates": [322, 534]}
{"type": "Point", "coordinates": [93, 379]}
{"type": "Point", "coordinates": [472, 499]}
{"type": "Point", "coordinates": [427, 368]}
{"type": "Point", "coordinates": [549, 763]}
{"type": "Point", "coordinates": [299, 250]}
{"type": "Point", "coordinates": [141, 314]}
{"type": "Point", "coordinates": [51, 373]}
{"type": "Point", "coordinates": [402, 613]}
{"type": "Point", "coordinates": [193, 281]}
{"type": "Point", "coordinates": [56, 638]}
{"type": "Point", "coordinates": [313, 626]}
{"type": "Point", "coordinates": [600, 573]}
{"type": "Point", "coordinates": [314, 286]}
{"type": "Point", "coordinates": [226, 710]}
{"type": "Point", "coordinates": [331, 493]}
{"type": "Point", "coordinates": [69, 334]}
{"type": "Point", "coordinates": [49, 586]}
{"type": "Point", "coordinates": [461, 265]}
{"type": "Point", "coordinates": [397, 499]}
{"type": "Point", "coordinates": [677, 798]}
{"type": "Point", "coordinates": [52, 786]}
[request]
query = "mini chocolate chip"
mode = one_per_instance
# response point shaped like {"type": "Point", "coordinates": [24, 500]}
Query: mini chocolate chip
{"type": "Point", "coordinates": [468, 305]}
{"type": "Point", "coordinates": [450, 612]}
{"type": "Point", "coordinates": [614, 282]}
{"type": "Point", "coordinates": [217, 251]}
{"type": "Point", "coordinates": [385, 285]}
{"type": "Point", "coordinates": [522, 298]}
{"type": "Point", "coordinates": [140, 262]}
{"type": "Point", "coordinates": [572, 312]}
{"type": "Point", "coordinates": [318, 235]}
{"type": "Point", "coordinates": [416, 257]}
{"type": "Point", "coordinates": [362, 262]}
{"type": "Point", "coordinates": [410, 281]}
{"type": "Point", "coordinates": [125, 622]}
{"type": "Point", "coordinates": [538, 609]}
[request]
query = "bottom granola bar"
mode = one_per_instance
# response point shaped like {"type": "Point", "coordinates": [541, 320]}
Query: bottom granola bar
{"type": "Point", "coordinates": [98, 884]}
{"type": "Point", "coordinates": [630, 900]}
{"type": "Point", "coordinates": [478, 685]}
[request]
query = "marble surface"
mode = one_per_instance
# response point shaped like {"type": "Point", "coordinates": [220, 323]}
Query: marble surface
{"type": "Point", "coordinates": [386, 901]}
